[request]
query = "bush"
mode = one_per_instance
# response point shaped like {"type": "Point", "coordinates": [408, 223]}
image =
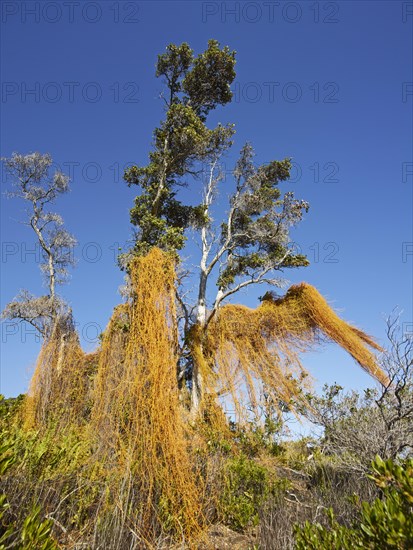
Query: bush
{"type": "Point", "coordinates": [385, 524]}
{"type": "Point", "coordinates": [33, 533]}
{"type": "Point", "coordinates": [246, 488]}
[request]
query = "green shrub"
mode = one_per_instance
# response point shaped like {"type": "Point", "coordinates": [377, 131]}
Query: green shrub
{"type": "Point", "coordinates": [246, 487]}
{"type": "Point", "coordinates": [9, 409]}
{"type": "Point", "coordinates": [386, 524]}
{"type": "Point", "coordinates": [33, 533]}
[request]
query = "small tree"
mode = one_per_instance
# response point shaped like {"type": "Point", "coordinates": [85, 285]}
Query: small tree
{"type": "Point", "coordinates": [34, 184]}
{"type": "Point", "coordinates": [379, 422]}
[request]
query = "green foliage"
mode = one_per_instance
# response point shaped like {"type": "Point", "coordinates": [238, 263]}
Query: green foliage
{"type": "Point", "coordinates": [246, 488]}
{"type": "Point", "coordinates": [256, 439]}
{"type": "Point", "coordinates": [33, 534]}
{"type": "Point", "coordinates": [316, 537]}
{"type": "Point", "coordinates": [36, 534]}
{"type": "Point", "coordinates": [387, 523]}
{"type": "Point", "coordinates": [195, 86]}
{"type": "Point", "coordinates": [7, 456]}
{"type": "Point", "coordinates": [9, 408]}
{"type": "Point", "coordinates": [261, 219]}
{"type": "Point", "coordinates": [5, 530]}
{"type": "Point", "coordinates": [50, 454]}
{"type": "Point", "coordinates": [208, 84]}
{"type": "Point", "coordinates": [390, 521]}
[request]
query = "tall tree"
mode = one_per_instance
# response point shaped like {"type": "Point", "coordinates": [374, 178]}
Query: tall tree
{"type": "Point", "coordinates": [253, 242]}
{"type": "Point", "coordinates": [34, 184]}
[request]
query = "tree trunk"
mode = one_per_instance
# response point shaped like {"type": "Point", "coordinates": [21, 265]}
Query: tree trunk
{"type": "Point", "coordinates": [197, 392]}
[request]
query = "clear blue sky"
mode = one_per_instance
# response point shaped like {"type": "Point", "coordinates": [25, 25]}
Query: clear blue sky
{"type": "Point", "coordinates": [327, 83]}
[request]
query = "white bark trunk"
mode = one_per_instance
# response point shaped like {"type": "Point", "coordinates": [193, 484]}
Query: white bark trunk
{"type": "Point", "coordinates": [201, 309]}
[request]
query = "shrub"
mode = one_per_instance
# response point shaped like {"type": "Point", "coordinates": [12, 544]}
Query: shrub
{"type": "Point", "coordinates": [33, 533]}
{"type": "Point", "coordinates": [246, 487]}
{"type": "Point", "coordinates": [385, 524]}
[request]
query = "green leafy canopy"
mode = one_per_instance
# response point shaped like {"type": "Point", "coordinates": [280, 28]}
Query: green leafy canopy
{"type": "Point", "coordinates": [196, 85]}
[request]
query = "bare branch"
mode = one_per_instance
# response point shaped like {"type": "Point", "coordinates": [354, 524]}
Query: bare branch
{"type": "Point", "coordinates": [37, 311]}
{"type": "Point", "coordinates": [33, 183]}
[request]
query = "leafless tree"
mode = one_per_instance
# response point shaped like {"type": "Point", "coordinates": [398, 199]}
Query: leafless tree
{"type": "Point", "coordinates": [395, 402]}
{"type": "Point", "coordinates": [358, 427]}
{"type": "Point", "coordinates": [33, 183]}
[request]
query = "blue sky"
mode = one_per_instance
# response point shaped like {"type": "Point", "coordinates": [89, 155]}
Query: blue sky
{"type": "Point", "coordinates": [326, 83]}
